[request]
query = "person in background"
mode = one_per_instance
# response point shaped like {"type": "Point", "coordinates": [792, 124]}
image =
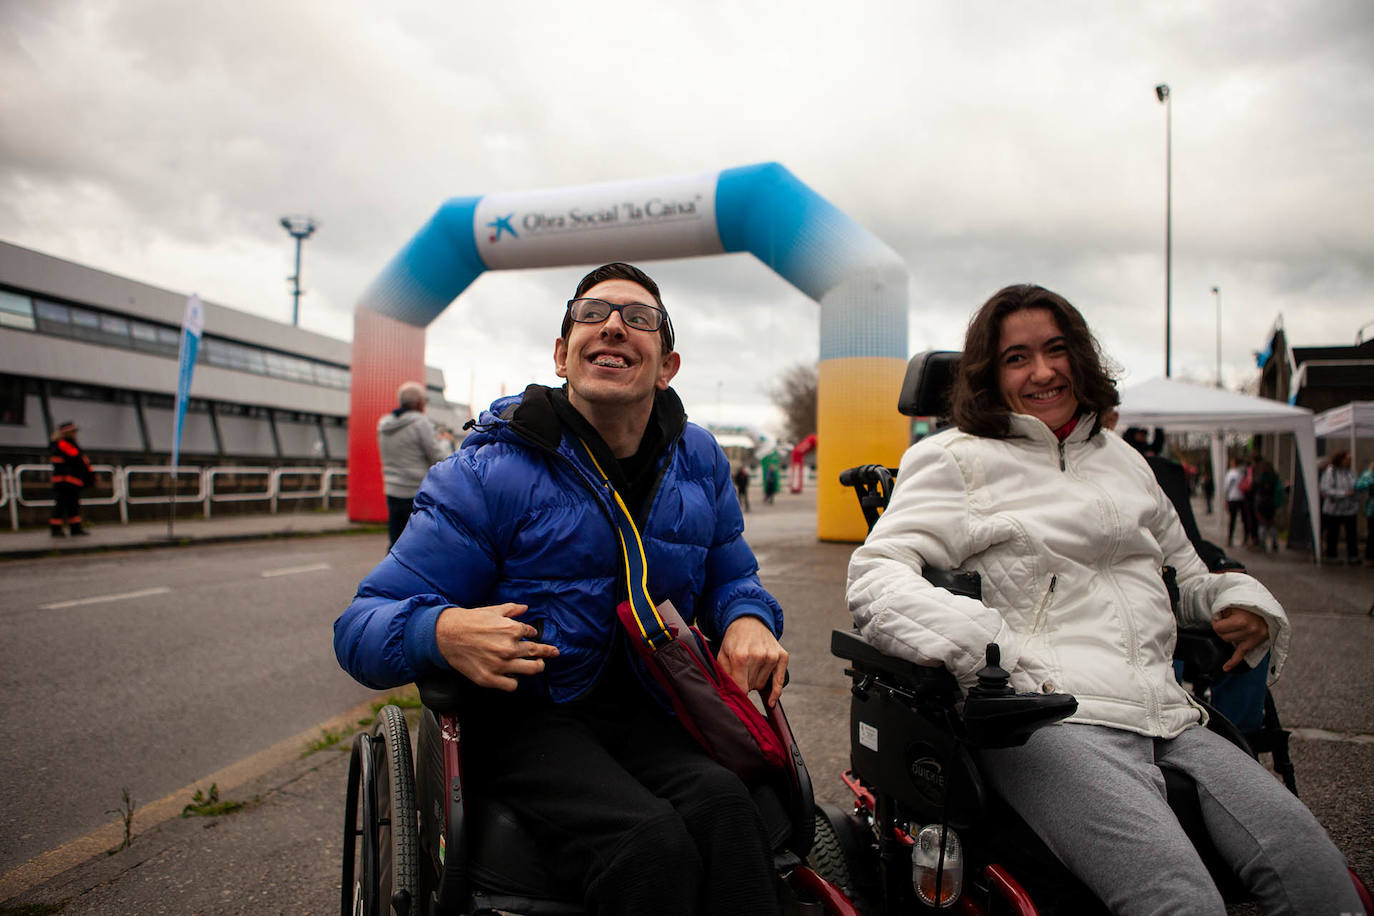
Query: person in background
{"type": "Point", "coordinates": [1235, 501]}
{"type": "Point", "coordinates": [1339, 506]}
{"type": "Point", "coordinates": [742, 484]}
{"type": "Point", "coordinates": [409, 446]}
{"type": "Point", "coordinates": [71, 471]}
{"type": "Point", "coordinates": [1365, 485]}
{"type": "Point", "coordinates": [1209, 489]}
{"type": "Point", "coordinates": [1268, 490]}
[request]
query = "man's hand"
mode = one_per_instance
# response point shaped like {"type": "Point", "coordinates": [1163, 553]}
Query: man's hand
{"type": "Point", "coordinates": [1241, 628]}
{"type": "Point", "coordinates": [753, 657]}
{"type": "Point", "coordinates": [488, 646]}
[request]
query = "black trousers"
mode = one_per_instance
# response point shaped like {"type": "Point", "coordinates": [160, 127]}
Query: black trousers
{"type": "Point", "coordinates": [626, 804]}
{"type": "Point", "coordinates": [68, 504]}
{"type": "Point", "coordinates": [1332, 526]}
{"type": "Point", "coordinates": [398, 512]}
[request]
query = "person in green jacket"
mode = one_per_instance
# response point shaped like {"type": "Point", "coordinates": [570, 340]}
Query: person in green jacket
{"type": "Point", "coordinates": [1365, 485]}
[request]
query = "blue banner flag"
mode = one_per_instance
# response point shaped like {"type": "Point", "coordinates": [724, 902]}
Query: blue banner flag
{"type": "Point", "coordinates": [191, 326]}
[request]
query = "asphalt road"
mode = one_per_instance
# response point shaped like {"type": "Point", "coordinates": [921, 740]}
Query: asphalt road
{"type": "Point", "coordinates": [211, 654]}
{"type": "Point", "coordinates": [281, 854]}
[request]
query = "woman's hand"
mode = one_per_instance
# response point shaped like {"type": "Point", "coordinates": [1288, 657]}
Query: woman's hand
{"type": "Point", "coordinates": [1241, 628]}
{"type": "Point", "coordinates": [752, 656]}
{"type": "Point", "coordinates": [488, 646]}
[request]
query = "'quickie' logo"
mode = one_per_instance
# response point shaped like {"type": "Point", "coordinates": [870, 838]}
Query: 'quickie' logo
{"type": "Point", "coordinates": [501, 224]}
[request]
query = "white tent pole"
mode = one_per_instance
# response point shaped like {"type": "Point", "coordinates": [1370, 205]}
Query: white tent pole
{"type": "Point", "coordinates": [1307, 451]}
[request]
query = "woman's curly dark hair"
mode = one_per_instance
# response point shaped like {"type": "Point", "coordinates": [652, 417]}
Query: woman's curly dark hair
{"type": "Point", "coordinates": [976, 401]}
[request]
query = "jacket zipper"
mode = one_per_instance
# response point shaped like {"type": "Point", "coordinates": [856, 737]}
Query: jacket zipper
{"type": "Point", "coordinates": [1042, 610]}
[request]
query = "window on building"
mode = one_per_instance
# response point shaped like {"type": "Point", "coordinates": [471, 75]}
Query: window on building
{"type": "Point", "coordinates": [114, 330]}
{"type": "Point", "coordinates": [53, 318]}
{"type": "Point", "coordinates": [85, 324]}
{"type": "Point", "coordinates": [12, 400]}
{"type": "Point", "coordinates": [16, 311]}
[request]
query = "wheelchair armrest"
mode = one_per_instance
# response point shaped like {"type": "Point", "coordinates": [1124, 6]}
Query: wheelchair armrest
{"type": "Point", "coordinates": [850, 646]}
{"type": "Point", "coordinates": [441, 693]}
{"type": "Point", "coordinates": [1009, 721]}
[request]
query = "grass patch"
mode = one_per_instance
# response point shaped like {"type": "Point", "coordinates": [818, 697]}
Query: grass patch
{"type": "Point", "coordinates": [209, 804]}
{"type": "Point", "coordinates": [408, 699]}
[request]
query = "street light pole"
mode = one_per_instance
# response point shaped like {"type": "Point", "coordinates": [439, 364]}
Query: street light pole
{"type": "Point", "coordinates": [300, 228]}
{"type": "Point", "coordinates": [1216, 291]}
{"type": "Point", "coordinates": [1162, 93]}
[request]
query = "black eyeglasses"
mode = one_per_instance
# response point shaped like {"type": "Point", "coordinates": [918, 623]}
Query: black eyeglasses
{"type": "Point", "coordinates": [636, 315]}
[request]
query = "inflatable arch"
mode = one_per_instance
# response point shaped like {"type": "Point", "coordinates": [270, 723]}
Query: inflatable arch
{"type": "Point", "coordinates": [763, 209]}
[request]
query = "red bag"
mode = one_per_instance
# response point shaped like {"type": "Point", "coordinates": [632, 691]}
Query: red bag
{"type": "Point", "coordinates": [708, 702]}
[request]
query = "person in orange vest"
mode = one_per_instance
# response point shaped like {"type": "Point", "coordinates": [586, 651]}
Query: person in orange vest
{"type": "Point", "coordinates": [71, 470]}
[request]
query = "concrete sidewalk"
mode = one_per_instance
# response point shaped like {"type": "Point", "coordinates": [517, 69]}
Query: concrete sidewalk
{"type": "Point", "coordinates": [104, 536]}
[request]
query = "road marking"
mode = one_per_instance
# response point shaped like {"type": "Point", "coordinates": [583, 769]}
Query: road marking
{"type": "Point", "coordinates": [99, 599]}
{"type": "Point", "coordinates": [292, 570]}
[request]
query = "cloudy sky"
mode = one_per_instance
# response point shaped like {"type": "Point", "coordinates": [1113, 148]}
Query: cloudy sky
{"type": "Point", "coordinates": [985, 142]}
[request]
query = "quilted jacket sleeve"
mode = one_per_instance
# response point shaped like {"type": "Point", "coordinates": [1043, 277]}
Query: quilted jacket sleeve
{"type": "Point", "coordinates": [1203, 594]}
{"type": "Point", "coordinates": [927, 523]}
{"type": "Point", "coordinates": [443, 558]}
{"type": "Point", "coordinates": [732, 589]}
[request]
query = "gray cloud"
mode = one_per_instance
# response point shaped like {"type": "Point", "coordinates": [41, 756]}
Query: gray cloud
{"type": "Point", "coordinates": [986, 143]}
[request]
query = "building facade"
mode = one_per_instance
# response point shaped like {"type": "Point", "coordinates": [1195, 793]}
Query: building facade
{"type": "Point", "coordinates": [82, 345]}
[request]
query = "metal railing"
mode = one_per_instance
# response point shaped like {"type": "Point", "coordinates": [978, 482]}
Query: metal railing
{"type": "Point", "coordinates": [128, 487]}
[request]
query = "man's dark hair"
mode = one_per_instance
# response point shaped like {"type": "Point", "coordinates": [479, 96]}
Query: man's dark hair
{"type": "Point", "coordinates": [619, 270]}
{"type": "Point", "coordinates": [976, 401]}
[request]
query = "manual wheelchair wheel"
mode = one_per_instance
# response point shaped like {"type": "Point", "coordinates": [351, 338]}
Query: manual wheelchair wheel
{"type": "Point", "coordinates": [381, 844]}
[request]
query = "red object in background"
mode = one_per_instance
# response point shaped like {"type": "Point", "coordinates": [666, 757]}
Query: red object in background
{"type": "Point", "coordinates": [797, 473]}
{"type": "Point", "coordinates": [386, 354]}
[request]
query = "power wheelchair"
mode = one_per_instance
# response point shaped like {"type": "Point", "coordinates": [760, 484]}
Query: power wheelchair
{"type": "Point", "coordinates": [924, 831]}
{"type": "Point", "coordinates": [416, 843]}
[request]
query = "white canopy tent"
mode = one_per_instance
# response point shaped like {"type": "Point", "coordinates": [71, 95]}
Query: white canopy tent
{"type": "Point", "coordinates": [1188, 407]}
{"type": "Point", "coordinates": [1353, 421]}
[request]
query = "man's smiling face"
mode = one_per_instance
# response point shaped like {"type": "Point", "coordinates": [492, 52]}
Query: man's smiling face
{"type": "Point", "coordinates": [611, 364]}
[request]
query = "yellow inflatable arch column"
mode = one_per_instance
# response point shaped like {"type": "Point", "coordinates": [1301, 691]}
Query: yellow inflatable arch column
{"type": "Point", "coordinates": [861, 286]}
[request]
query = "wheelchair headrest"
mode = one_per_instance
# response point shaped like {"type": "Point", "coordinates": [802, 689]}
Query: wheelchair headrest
{"type": "Point", "coordinates": [926, 388]}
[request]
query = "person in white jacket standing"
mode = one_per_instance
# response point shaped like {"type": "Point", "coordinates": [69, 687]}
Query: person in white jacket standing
{"type": "Point", "coordinates": [1069, 531]}
{"type": "Point", "coordinates": [409, 445]}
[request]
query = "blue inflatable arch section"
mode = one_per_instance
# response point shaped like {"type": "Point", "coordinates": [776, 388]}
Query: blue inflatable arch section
{"type": "Point", "coordinates": [763, 209]}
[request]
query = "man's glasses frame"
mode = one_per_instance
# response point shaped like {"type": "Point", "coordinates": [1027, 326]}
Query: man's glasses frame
{"type": "Point", "coordinates": [640, 311]}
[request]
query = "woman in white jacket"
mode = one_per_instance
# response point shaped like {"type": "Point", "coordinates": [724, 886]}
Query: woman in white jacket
{"type": "Point", "coordinates": [1069, 531]}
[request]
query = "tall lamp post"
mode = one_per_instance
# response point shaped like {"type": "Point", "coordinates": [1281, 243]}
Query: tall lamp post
{"type": "Point", "coordinates": [1216, 291]}
{"type": "Point", "coordinates": [1162, 93]}
{"type": "Point", "coordinates": [300, 228]}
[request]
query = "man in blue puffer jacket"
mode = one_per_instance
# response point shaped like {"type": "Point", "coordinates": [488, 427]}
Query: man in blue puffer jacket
{"type": "Point", "coordinates": [509, 573]}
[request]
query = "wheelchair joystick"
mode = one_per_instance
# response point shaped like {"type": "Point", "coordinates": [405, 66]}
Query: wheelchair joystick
{"type": "Point", "coordinates": [995, 715]}
{"type": "Point", "coordinates": [993, 681]}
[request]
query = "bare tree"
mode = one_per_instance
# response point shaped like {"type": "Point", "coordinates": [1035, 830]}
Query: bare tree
{"type": "Point", "coordinates": [794, 393]}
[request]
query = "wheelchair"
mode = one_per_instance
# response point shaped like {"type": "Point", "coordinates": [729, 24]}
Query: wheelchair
{"type": "Point", "coordinates": [416, 843]}
{"type": "Point", "coordinates": [924, 832]}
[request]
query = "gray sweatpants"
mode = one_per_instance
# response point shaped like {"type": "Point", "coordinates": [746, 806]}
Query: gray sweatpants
{"type": "Point", "coordinates": [1096, 796]}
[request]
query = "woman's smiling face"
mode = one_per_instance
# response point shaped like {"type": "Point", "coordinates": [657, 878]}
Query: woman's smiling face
{"type": "Point", "coordinates": [1033, 371]}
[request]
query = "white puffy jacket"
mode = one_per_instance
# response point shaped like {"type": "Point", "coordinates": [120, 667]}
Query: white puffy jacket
{"type": "Point", "coordinates": [1070, 540]}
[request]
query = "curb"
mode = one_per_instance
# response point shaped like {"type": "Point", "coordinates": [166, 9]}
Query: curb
{"type": "Point", "coordinates": [288, 754]}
